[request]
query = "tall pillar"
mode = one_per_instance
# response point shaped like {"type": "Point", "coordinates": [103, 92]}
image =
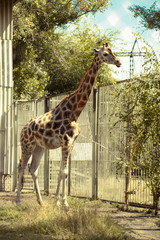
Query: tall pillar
{"type": "Point", "coordinates": [6, 89]}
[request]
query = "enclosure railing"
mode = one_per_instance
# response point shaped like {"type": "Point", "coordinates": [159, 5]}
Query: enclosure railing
{"type": "Point", "coordinates": [93, 170]}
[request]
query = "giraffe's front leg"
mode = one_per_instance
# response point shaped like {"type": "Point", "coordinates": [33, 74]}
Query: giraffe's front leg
{"type": "Point", "coordinates": [64, 196]}
{"type": "Point", "coordinates": [58, 187]}
{"type": "Point", "coordinates": [63, 173]}
{"type": "Point", "coordinates": [66, 150]}
{"type": "Point", "coordinates": [65, 155]}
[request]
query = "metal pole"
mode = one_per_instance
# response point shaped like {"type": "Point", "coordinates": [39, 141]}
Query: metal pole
{"type": "Point", "coordinates": [131, 66]}
{"type": "Point", "coordinates": [15, 130]}
{"type": "Point", "coordinates": [46, 156]}
{"type": "Point", "coordinates": [97, 138]}
{"type": "Point", "coordinates": [94, 147]}
{"type": "Point", "coordinates": [69, 175]}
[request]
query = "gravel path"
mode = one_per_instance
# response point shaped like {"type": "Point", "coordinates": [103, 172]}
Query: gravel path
{"type": "Point", "coordinates": [139, 225]}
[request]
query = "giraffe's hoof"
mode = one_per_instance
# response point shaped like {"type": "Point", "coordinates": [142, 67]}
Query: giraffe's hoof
{"type": "Point", "coordinates": [40, 203]}
{"type": "Point", "coordinates": [65, 203]}
{"type": "Point", "coordinates": [58, 204]}
{"type": "Point", "coordinates": [18, 202]}
{"type": "Point", "coordinates": [56, 201]}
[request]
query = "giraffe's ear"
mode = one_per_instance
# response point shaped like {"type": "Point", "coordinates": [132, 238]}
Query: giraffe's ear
{"type": "Point", "coordinates": [95, 51]}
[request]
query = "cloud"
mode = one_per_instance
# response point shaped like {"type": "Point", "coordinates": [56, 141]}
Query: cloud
{"type": "Point", "coordinates": [158, 4]}
{"type": "Point", "coordinates": [113, 19]}
{"type": "Point", "coordinates": [156, 36]}
{"type": "Point", "coordinates": [125, 6]}
{"type": "Point", "coordinates": [127, 34]}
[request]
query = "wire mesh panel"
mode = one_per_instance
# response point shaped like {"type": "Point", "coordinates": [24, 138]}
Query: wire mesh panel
{"type": "Point", "coordinates": [81, 157]}
{"type": "Point", "coordinates": [112, 143]}
{"type": "Point", "coordinates": [25, 112]}
{"type": "Point", "coordinates": [111, 184]}
{"type": "Point", "coordinates": [40, 109]}
{"type": "Point", "coordinates": [55, 155]}
{"type": "Point", "coordinates": [141, 194]}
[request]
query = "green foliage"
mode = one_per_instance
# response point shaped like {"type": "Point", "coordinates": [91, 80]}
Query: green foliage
{"type": "Point", "coordinates": [74, 54]}
{"type": "Point", "coordinates": [149, 18]}
{"type": "Point", "coordinates": [49, 58]}
{"type": "Point", "coordinates": [140, 109]}
{"type": "Point", "coordinates": [9, 213]}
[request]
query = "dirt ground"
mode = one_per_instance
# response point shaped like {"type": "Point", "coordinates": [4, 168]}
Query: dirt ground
{"type": "Point", "coordinates": [139, 224]}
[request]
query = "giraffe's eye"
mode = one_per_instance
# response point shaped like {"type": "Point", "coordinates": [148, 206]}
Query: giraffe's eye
{"type": "Point", "coordinates": [105, 54]}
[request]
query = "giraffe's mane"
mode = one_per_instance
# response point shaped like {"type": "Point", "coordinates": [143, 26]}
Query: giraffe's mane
{"type": "Point", "coordinates": [74, 92]}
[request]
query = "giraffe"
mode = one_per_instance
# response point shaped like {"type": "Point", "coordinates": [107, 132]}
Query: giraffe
{"type": "Point", "coordinates": [59, 128]}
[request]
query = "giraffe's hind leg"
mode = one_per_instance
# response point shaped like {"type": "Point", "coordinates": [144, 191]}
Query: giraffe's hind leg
{"type": "Point", "coordinates": [36, 157]}
{"type": "Point", "coordinates": [21, 167]}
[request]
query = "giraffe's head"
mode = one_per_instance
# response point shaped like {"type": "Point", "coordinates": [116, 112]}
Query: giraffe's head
{"type": "Point", "coordinates": [106, 55]}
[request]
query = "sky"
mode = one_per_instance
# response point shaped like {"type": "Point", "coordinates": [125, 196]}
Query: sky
{"type": "Point", "coordinates": [118, 17]}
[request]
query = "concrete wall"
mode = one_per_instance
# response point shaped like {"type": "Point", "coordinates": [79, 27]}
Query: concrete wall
{"type": "Point", "coordinates": [6, 88]}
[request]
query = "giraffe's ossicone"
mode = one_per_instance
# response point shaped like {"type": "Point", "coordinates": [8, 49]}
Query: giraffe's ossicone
{"type": "Point", "coordinates": [59, 127]}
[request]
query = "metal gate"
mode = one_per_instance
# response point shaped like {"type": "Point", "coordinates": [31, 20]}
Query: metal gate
{"type": "Point", "coordinates": [112, 139]}
{"type": "Point", "coordinates": [111, 184]}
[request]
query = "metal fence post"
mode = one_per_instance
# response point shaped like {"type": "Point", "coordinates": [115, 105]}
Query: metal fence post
{"type": "Point", "coordinates": [69, 175]}
{"type": "Point", "coordinates": [95, 147]}
{"type": "Point", "coordinates": [46, 156]}
{"type": "Point", "coordinates": [15, 112]}
{"type": "Point", "coordinates": [15, 130]}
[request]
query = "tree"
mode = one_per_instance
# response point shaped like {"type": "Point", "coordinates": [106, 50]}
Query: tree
{"type": "Point", "coordinates": [149, 18]}
{"type": "Point", "coordinates": [140, 110]}
{"type": "Point", "coordinates": [75, 56]}
{"type": "Point", "coordinates": [147, 128]}
{"type": "Point", "coordinates": [39, 50]}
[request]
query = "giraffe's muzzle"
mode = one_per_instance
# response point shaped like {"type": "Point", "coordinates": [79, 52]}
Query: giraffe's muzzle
{"type": "Point", "coordinates": [118, 63]}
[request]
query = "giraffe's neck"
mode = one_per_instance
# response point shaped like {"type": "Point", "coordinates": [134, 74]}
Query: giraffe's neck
{"type": "Point", "coordinates": [80, 97]}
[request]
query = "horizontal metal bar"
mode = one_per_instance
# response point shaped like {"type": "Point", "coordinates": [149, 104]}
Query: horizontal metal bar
{"type": "Point", "coordinates": [128, 54]}
{"type": "Point", "coordinates": [5, 86]}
